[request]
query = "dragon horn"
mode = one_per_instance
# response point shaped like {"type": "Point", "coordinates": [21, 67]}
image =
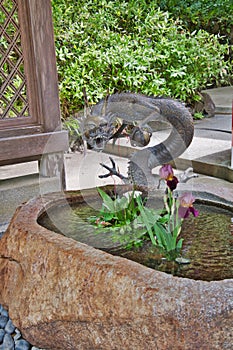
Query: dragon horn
{"type": "Point", "coordinates": [86, 104]}
{"type": "Point", "coordinates": [103, 111]}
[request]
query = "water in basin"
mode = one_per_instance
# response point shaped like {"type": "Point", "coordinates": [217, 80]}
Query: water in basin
{"type": "Point", "coordinates": [208, 240]}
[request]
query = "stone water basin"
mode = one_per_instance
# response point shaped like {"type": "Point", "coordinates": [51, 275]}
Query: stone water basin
{"type": "Point", "coordinates": [63, 294]}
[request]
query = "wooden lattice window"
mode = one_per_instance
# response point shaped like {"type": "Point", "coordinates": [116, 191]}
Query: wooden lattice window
{"type": "Point", "coordinates": [13, 95]}
{"type": "Point", "coordinates": [30, 123]}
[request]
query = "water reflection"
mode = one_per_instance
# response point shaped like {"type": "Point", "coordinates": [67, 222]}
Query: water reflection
{"type": "Point", "coordinates": [208, 241]}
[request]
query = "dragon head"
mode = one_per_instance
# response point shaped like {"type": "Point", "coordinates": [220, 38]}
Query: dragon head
{"type": "Point", "coordinates": [97, 131]}
{"type": "Point", "coordinates": [105, 121]}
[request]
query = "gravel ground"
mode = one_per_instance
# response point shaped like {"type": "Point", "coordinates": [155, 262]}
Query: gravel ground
{"type": "Point", "coordinates": [10, 336]}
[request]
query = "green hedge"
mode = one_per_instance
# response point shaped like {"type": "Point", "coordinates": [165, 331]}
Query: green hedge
{"type": "Point", "coordinates": [214, 16]}
{"type": "Point", "coordinates": [131, 45]}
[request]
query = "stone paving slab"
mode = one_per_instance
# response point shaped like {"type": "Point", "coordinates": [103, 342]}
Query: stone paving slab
{"type": "Point", "coordinates": [82, 171]}
{"type": "Point", "coordinates": [222, 98]}
{"type": "Point", "coordinates": [201, 147]}
{"type": "Point", "coordinates": [219, 122]}
{"type": "Point", "coordinates": [16, 170]}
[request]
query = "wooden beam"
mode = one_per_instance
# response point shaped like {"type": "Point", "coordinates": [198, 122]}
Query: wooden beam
{"type": "Point", "coordinates": [16, 149]}
{"type": "Point", "coordinates": [20, 131]}
{"type": "Point", "coordinates": [37, 38]}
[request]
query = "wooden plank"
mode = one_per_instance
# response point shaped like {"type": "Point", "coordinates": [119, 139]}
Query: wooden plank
{"type": "Point", "coordinates": [37, 38]}
{"type": "Point", "coordinates": [19, 131]}
{"type": "Point", "coordinates": [232, 134]}
{"type": "Point", "coordinates": [29, 60]}
{"type": "Point", "coordinates": [21, 147]}
{"type": "Point", "coordinates": [16, 122]}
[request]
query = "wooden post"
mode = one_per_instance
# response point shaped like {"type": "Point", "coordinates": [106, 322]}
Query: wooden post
{"type": "Point", "coordinates": [232, 135]}
{"type": "Point", "coordinates": [37, 40]}
{"type": "Point", "coordinates": [40, 64]}
{"type": "Point", "coordinates": [37, 136]}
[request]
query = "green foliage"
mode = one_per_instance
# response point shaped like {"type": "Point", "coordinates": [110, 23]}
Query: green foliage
{"type": "Point", "coordinates": [162, 227]}
{"type": "Point", "coordinates": [165, 229]}
{"type": "Point", "coordinates": [116, 212]}
{"type": "Point", "coordinates": [198, 116]}
{"type": "Point", "coordinates": [71, 124]}
{"type": "Point", "coordinates": [131, 45]}
{"type": "Point", "coordinates": [213, 16]}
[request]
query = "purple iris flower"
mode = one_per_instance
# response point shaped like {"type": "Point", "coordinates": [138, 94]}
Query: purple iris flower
{"type": "Point", "coordinates": [166, 173]}
{"type": "Point", "coordinates": [186, 206]}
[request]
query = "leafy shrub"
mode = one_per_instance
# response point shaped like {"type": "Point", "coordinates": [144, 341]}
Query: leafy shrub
{"type": "Point", "coordinates": [131, 45]}
{"type": "Point", "coordinates": [213, 16]}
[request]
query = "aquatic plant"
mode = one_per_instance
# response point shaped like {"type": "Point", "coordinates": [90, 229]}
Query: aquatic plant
{"type": "Point", "coordinates": [117, 211]}
{"type": "Point", "coordinates": [162, 227]}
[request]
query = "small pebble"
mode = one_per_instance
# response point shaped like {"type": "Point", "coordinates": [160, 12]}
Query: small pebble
{"type": "Point", "coordinates": [4, 312]}
{"type": "Point", "coordinates": [8, 343]}
{"type": "Point", "coordinates": [22, 344]}
{"type": "Point", "coordinates": [3, 321]}
{"type": "Point", "coordinates": [9, 327]}
{"type": "Point", "coordinates": [17, 335]}
{"type": "Point", "coordinates": [182, 260]}
{"type": "Point", "coordinates": [2, 333]}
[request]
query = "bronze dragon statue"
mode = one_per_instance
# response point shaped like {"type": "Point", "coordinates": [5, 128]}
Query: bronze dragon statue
{"type": "Point", "coordinates": [133, 115]}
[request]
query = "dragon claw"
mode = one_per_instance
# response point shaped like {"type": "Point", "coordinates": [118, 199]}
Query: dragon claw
{"type": "Point", "coordinates": [112, 171]}
{"type": "Point", "coordinates": [187, 175]}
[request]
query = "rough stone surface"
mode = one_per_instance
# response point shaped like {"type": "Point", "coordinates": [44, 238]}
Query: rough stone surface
{"type": "Point", "coordinates": [62, 294]}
